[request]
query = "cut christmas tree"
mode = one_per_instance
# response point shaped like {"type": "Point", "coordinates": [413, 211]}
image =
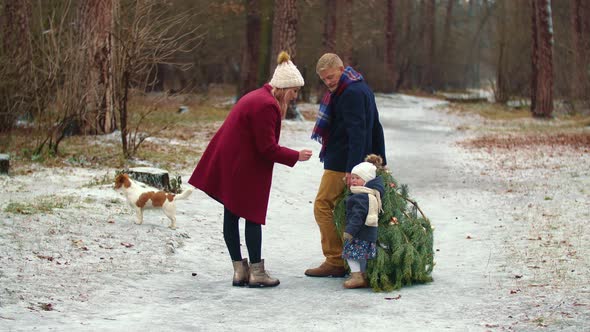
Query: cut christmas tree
{"type": "Point", "coordinates": [405, 252]}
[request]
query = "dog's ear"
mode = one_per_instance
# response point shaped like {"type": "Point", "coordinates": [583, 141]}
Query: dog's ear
{"type": "Point", "coordinates": [121, 180]}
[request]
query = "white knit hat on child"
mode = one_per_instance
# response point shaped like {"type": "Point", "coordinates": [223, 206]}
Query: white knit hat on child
{"type": "Point", "coordinates": [365, 171]}
{"type": "Point", "coordinates": [286, 75]}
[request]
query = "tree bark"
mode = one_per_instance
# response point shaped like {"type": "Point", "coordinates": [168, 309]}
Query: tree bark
{"type": "Point", "coordinates": [96, 26]}
{"type": "Point", "coordinates": [444, 48]}
{"type": "Point", "coordinates": [347, 33]}
{"type": "Point", "coordinates": [579, 83]}
{"type": "Point", "coordinates": [330, 24]}
{"type": "Point", "coordinates": [429, 42]}
{"type": "Point", "coordinates": [285, 39]}
{"type": "Point", "coordinates": [390, 72]}
{"type": "Point", "coordinates": [543, 59]}
{"type": "Point", "coordinates": [17, 71]}
{"type": "Point", "coordinates": [534, 54]}
{"type": "Point", "coordinates": [328, 38]}
{"type": "Point", "coordinates": [250, 58]}
{"type": "Point", "coordinates": [264, 55]}
{"type": "Point", "coordinates": [284, 30]}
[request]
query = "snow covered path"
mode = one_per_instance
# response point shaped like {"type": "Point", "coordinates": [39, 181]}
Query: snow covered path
{"type": "Point", "coordinates": [468, 293]}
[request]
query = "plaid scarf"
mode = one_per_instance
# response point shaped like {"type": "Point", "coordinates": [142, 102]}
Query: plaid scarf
{"type": "Point", "coordinates": [321, 130]}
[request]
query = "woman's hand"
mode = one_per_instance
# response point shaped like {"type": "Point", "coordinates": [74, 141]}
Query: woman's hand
{"type": "Point", "coordinates": [304, 155]}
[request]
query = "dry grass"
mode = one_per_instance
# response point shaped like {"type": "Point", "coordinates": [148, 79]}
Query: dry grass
{"type": "Point", "coordinates": [164, 121]}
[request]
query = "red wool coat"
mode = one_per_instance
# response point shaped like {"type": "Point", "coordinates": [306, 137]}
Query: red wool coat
{"type": "Point", "coordinates": [236, 168]}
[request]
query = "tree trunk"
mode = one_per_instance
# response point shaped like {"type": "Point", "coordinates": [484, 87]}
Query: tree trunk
{"type": "Point", "coordinates": [543, 59]}
{"type": "Point", "coordinates": [404, 73]}
{"type": "Point", "coordinates": [17, 71]}
{"type": "Point", "coordinates": [347, 33]}
{"type": "Point", "coordinates": [264, 55]}
{"type": "Point", "coordinates": [285, 38]}
{"type": "Point", "coordinates": [328, 37]}
{"type": "Point", "coordinates": [501, 93]}
{"type": "Point", "coordinates": [444, 48]}
{"type": "Point", "coordinates": [429, 42]}
{"type": "Point", "coordinates": [250, 58]}
{"type": "Point", "coordinates": [96, 26]}
{"type": "Point", "coordinates": [284, 30]}
{"type": "Point", "coordinates": [534, 54]}
{"type": "Point", "coordinates": [579, 83]}
{"type": "Point", "coordinates": [390, 73]}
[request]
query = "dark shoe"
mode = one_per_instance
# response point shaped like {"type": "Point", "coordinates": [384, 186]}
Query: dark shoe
{"type": "Point", "coordinates": [326, 270]}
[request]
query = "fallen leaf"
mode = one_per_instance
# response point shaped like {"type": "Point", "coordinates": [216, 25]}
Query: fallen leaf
{"type": "Point", "coordinates": [46, 306]}
{"type": "Point", "coordinates": [49, 258]}
{"type": "Point", "coordinates": [126, 245]}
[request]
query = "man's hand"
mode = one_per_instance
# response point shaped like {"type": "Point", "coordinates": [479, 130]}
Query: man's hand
{"type": "Point", "coordinates": [348, 179]}
{"type": "Point", "coordinates": [346, 237]}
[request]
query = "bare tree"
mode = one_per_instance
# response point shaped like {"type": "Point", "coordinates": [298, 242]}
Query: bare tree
{"type": "Point", "coordinates": [96, 22]}
{"type": "Point", "coordinates": [146, 35]}
{"type": "Point", "coordinates": [542, 59]}
{"type": "Point", "coordinates": [60, 69]}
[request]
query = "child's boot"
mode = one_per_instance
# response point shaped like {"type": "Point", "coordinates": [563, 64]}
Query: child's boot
{"type": "Point", "coordinates": [260, 278]}
{"type": "Point", "coordinates": [241, 272]}
{"type": "Point", "coordinates": [356, 280]}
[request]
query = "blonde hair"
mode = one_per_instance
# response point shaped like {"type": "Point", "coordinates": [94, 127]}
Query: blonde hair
{"type": "Point", "coordinates": [280, 95]}
{"type": "Point", "coordinates": [328, 60]}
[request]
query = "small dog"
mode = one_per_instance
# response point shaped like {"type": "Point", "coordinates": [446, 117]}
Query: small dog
{"type": "Point", "coordinates": [142, 198]}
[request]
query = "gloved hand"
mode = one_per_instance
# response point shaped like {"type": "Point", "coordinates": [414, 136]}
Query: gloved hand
{"type": "Point", "coordinates": [346, 237]}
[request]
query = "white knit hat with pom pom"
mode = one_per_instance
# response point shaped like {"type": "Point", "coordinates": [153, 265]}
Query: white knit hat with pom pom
{"type": "Point", "coordinates": [365, 171]}
{"type": "Point", "coordinates": [286, 75]}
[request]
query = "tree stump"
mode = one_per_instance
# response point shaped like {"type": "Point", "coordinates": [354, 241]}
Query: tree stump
{"type": "Point", "coordinates": [4, 163]}
{"type": "Point", "coordinates": [151, 176]}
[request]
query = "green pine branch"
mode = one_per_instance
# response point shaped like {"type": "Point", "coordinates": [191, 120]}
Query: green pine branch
{"type": "Point", "coordinates": [405, 254]}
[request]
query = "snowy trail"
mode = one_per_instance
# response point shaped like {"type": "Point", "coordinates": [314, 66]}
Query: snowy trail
{"type": "Point", "coordinates": [464, 295]}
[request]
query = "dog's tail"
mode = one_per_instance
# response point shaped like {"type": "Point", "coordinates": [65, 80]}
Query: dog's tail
{"type": "Point", "coordinates": [183, 195]}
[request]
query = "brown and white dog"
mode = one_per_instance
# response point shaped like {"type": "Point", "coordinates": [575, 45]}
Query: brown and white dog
{"type": "Point", "coordinates": [141, 198]}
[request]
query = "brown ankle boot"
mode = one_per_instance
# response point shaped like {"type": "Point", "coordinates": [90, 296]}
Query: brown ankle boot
{"type": "Point", "coordinates": [356, 280]}
{"type": "Point", "coordinates": [241, 272]}
{"type": "Point", "coordinates": [260, 278]}
{"type": "Point", "coordinates": [326, 270]}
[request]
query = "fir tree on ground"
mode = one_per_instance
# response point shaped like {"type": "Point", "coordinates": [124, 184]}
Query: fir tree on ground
{"type": "Point", "coordinates": [405, 252]}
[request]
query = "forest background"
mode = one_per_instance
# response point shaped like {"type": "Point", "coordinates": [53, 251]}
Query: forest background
{"type": "Point", "coordinates": [73, 68]}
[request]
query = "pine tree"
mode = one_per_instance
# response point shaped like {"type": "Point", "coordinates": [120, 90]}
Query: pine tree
{"type": "Point", "coordinates": [405, 240]}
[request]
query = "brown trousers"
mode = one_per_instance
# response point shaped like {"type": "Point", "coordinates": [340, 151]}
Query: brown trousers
{"type": "Point", "coordinates": [331, 186]}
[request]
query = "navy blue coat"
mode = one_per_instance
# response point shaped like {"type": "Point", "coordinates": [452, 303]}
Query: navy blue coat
{"type": "Point", "coordinates": [357, 208]}
{"type": "Point", "coordinates": [355, 130]}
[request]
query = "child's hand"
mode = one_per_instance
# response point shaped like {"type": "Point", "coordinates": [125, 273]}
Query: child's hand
{"type": "Point", "coordinates": [346, 237]}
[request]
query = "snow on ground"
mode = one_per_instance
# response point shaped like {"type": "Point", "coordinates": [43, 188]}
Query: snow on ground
{"type": "Point", "coordinates": [501, 263]}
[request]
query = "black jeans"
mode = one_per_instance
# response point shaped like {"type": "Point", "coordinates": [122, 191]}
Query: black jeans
{"type": "Point", "coordinates": [231, 235]}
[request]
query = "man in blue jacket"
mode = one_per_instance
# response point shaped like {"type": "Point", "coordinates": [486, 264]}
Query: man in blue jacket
{"type": "Point", "coordinates": [348, 128]}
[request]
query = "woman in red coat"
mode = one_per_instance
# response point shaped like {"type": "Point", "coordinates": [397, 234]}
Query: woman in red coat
{"type": "Point", "coordinates": [236, 168]}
